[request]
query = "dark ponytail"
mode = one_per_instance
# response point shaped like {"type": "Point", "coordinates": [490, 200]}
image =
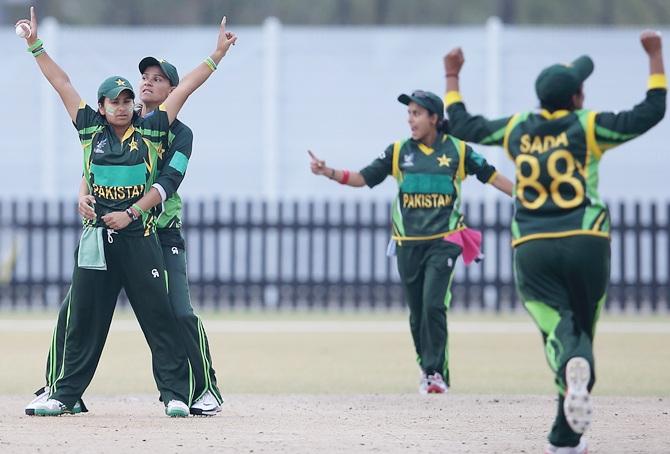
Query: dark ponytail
{"type": "Point", "coordinates": [443, 126]}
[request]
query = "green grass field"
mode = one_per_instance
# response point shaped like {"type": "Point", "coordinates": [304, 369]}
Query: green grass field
{"type": "Point", "coordinates": [630, 359]}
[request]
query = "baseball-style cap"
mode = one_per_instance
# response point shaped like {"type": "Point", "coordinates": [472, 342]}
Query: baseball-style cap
{"type": "Point", "coordinates": [113, 86]}
{"type": "Point", "coordinates": [556, 84]}
{"type": "Point", "coordinates": [168, 68]}
{"type": "Point", "coordinates": [429, 101]}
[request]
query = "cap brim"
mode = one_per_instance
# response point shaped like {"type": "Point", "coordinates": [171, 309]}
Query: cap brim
{"type": "Point", "coordinates": [115, 92]}
{"type": "Point", "coordinates": [166, 69]}
{"type": "Point", "coordinates": [583, 67]}
{"type": "Point", "coordinates": [148, 61]}
{"type": "Point", "coordinates": [406, 99]}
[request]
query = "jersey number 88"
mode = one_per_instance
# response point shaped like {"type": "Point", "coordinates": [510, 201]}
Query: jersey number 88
{"type": "Point", "coordinates": [558, 177]}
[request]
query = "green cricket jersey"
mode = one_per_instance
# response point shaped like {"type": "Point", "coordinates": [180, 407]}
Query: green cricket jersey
{"type": "Point", "coordinates": [429, 185]}
{"type": "Point", "coordinates": [120, 172]}
{"type": "Point", "coordinates": [171, 173]}
{"type": "Point", "coordinates": [556, 156]}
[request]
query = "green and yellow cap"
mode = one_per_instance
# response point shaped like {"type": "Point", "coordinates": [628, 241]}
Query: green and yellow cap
{"type": "Point", "coordinates": [429, 101]}
{"type": "Point", "coordinates": [556, 84]}
{"type": "Point", "coordinates": [113, 86]}
{"type": "Point", "coordinates": [168, 68]}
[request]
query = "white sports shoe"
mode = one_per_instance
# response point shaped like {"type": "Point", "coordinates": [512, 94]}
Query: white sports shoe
{"type": "Point", "coordinates": [41, 395]}
{"type": "Point", "coordinates": [423, 384]}
{"type": "Point", "coordinates": [581, 448]}
{"type": "Point", "coordinates": [50, 407]}
{"type": "Point", "coordinates": [176, 409]}
{"type": "Point", "coordinates": [207, 405]}
{"type": "Point", "coordinates": [577, 404]}
{"type": "Point", "coordinates": [436, 384]}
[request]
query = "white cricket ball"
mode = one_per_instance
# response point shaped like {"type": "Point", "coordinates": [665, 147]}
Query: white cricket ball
{"type": "Point", "coordinates": [23, 30]}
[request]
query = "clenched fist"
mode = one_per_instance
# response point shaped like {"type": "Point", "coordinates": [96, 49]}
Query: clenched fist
{"type": "Point", "coordinates": [651, 41]}
{"type": "Point", "coordinates": [453, 61]}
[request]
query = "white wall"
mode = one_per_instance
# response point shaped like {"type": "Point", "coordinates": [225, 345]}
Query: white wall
{"type": "Point", "coordinates": [337, 90]}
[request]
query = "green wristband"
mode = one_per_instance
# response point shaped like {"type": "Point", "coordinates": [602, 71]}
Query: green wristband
{"type": "Point", "coordinates": [36, 44]}
{"type": "Point", "coordinates": [137, 207]}
{"type": "Point", "coordinates": [209, 62]}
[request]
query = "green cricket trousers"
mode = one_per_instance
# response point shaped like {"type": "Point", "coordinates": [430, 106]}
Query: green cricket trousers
{"type": "Point", "coordinates": [136, 265]}
{"type": "Point", "coordinates": [563, 285]}
{"type": "Point", "coordinates": [193, 332]}
{"type": "Point", "coordinates": [426, 271]}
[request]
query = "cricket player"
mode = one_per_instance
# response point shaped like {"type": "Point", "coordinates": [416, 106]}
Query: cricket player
{"type": "Point", "coordinates": [158, 79]}
{"type": "Point", "coordinates": [561, 227]}
{"type": "Point", "coordinates": [120, 166]}
{"type": "Point", "coordinates": [427, 224]}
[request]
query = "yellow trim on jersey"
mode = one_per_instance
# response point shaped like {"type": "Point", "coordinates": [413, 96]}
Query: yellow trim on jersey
{"type": "Point", "coordinates": [452, 97]}
{"type": "Point", "coordinates": [461, 160]}
{"type": "Point", "coordinates": [567, 233]}
{"type": "Point", "coordinates": [599, 221]}
{"type": "Point", "coordinates": [591, 141]}
{"type": "Point", "coordinates": [555, 114]}
{"type": "Point", "coordinates": [129, 132]}
{"type": "Point", "coordinates": [493, 177]}
{"type": "Point", "coordinates": [425, 149]}
{"type": "Point", "coordinates": [395, 167]}
{"type": "Point", "coordinates": [508, 130]}
{"type": "Point", "coordinates": [162, 108]}
{"type": "Point", "coordinates": [424, 238]}
{"type": "Point", "coordinates": [82, 104]}
{"type": "Point", "coordinates": [657, 81]}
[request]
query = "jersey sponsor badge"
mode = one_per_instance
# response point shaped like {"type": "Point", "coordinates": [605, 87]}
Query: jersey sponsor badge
{"type": "Point", "coordinates": [175, 251]}
{"type": "Point", "coordinates": [100, 147]}
{"type": "Point", "coordinates": [407, 160]}
{"type": "Point", "coordinates": [155, 273]}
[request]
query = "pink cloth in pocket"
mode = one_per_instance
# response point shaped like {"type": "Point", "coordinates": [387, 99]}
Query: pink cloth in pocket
{"type": "Point", "coordinates": [470, 241]}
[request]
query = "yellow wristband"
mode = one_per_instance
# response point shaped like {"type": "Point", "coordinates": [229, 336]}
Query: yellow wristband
{"type": "Point", "coordinates": [657, 81]}
{"type": "Point", "coordinates": [452, 97]}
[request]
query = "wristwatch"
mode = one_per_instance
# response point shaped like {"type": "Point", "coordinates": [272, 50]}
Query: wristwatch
{"type": "Point", "coordinates": [132, 214]}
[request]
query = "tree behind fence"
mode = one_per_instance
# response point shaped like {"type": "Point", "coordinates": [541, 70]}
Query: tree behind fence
{"type": "Point", "coordinates": [324, 254]}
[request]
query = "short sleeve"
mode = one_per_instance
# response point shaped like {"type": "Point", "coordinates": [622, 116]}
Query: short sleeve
{"type": "Point", "coordinates": [379, 169]}
{"type": "Point", "coordinates": [175, 160]}
{"type": "Point", "coordinates": [475, 164]}
{"type": "Point", "coordinates": [87, 122]}
{"type": "Point", "coordinates": [155, 126]}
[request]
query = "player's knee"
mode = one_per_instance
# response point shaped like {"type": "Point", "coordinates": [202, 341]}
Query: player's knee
{"type": "Point", "coordinates": [435, 308]}
{"type": "Point", "coordinates": [185, 317]}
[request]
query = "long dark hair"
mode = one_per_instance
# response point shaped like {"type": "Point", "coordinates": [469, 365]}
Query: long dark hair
{"type": "Point", "coordinates": [442, 126]}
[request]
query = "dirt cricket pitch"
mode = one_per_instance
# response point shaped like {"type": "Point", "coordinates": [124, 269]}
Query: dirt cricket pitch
{"type": "Point", "coordinates": [335, 423]}
{"type": "Point", "coordinates": [344, 385]}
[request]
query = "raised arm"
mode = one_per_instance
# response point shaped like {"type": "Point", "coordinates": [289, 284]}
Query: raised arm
{"type": "Point", "coordinates": [193, 80]}
{"type": "Point", "coordinates": [611, 129]}
{"type": "Point", "coordinates": [467, 127]}
{"type": "Point", "coordinates": [52, 72]}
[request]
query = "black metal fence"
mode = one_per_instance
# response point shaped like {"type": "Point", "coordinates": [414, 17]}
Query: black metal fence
{"type": "Point", "coordinates": [319, 255]}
